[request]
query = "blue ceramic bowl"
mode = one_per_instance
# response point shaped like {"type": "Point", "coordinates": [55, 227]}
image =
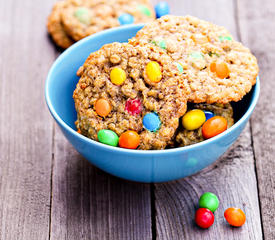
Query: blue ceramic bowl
{"type": "Point", "coordinates": [136, 165]}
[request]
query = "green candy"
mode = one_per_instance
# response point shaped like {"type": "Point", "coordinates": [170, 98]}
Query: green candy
{"type": "Point", "coordinates": [223, 38]}
{"type": "Point", "coordinates": [180, 68]}
{"type": "Point", "coordinates": [82, 14]}
{"type": "Point", "coordinates": [145, 10]}
{"type": "Point", "coordinates": [209, 200]}
{"type": "Point", "coordinates": [196, 55]}
{"type": "Point", "coordinates": [160, 43]}
{"type": "Point", "coordinates": [107, 137]}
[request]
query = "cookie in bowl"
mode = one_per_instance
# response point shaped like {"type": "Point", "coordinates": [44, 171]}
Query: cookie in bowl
{"type": "Point", "coordinates": [130, 88]}
{"type": "Point", "coordinates": [219, 69]}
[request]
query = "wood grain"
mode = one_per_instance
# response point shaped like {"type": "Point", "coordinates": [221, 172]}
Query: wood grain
{"type": "Point", "coordinates": [232, 177]}
{"type": "Point", "coordinates": [257, 31]}
{"type": "Point", "coordinates": [25, 124]}
{"type": "Point", "coordinates": [90, 204]}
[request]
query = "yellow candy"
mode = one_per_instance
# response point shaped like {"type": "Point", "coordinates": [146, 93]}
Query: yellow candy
{"type": "Point", "coordinates": [193, 119]}
{"type": "Point", "coordinates": [118, 76]}
{"type": "Point", "coordinates": [153, 71]}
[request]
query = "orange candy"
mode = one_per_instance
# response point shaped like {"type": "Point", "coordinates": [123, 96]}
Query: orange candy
{"type": "Point", "coordinates": [214, 126]}
{"type": "Point", "coordinates": [234, 216]}
{"type": "Point", "coordinates": [221, 69]}
{"type": "Point", "coordinates": [102, 107]}
{"type": "Point", "coordinates": [213, 67]}
{"type": "Point", "coordinates": [129, 139]}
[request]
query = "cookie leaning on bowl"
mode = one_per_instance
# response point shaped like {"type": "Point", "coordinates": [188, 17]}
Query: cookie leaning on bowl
{"type": "Point", "coordinates": [122, 87]}
{"type": "Point", "coordinates": [218, 68]}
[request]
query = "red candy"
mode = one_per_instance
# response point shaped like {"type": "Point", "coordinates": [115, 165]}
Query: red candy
{"type": "Point", "coordinates": [204, 218]}
{"type": "Point", "coordinates": [133, 106]}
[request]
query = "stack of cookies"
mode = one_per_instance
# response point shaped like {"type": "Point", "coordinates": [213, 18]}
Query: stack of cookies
{"type": "Point", "coordinates": [174, 64]}
{"type": "Point", "coordinates": [72, 20]}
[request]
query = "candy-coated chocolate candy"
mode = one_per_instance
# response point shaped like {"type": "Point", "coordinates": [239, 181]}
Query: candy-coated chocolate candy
{"type": "Point", "coordinates": [214, 126]}
{"type": "Point", "coordinates": [83, 15]}
{"type": "Point", "coordinates": [208, 115]}
{"type": "Point", "coordinates": [209, 200]}
{"type": "Point", "coordinates": [204, 218]}
{"type": "Point", "coordinates": [129, 139]}
{"type": "Point", "coordinates": [126, 18]}
{"type": "Point", "coordinates": [193, 119]}
{"type": "Point", "coordinates": [153, 71]}
{"type": "Point", "coordinates": [145, 10]}
{"type": "Point", "coordinates": [234, 216]}
{"type": "Point", "coordinates": [133, 106]}
{"type": "Point", "coordinates": [118, 76]}
{"type": "Point", "coordinates": [161, 9]}
{"type": "Point", "coordinates": [107, 137]}
{"type": "Point", "coordinates": [151, 122]}
{"type": "Point", "coordinates": [213, 67]}
{"type": "Point", "coordinates": [196, 55]}
{"type": "Point", "coordinates": [222, 70]}
{"type": "Point", "coordinates": [180, 68]}
{"type": "Point", "coordinates": [223, 38]}
{"type": "Point", "coordinates": [160, 42]}
{"type": "Point", "coordinates": [102, 107]}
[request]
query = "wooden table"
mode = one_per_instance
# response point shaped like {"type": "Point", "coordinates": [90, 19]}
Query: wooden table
{"type": "Point", "coordinates": [48, 191]}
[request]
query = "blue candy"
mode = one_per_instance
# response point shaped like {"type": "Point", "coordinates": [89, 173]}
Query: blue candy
{"type": "Point", "coordinates": [208, 115]}
{"type": "Point", "coordinates": [151, 122]}
{"type": "Point", "coordinates": [161, 9]}
{"type": "Point", "coordinates": [126, 18]}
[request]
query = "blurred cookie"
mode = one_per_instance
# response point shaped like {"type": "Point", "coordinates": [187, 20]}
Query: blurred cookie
{"type": "Point", "coordinates": [122, 87]}
{"type": "Point", "coordinates": [55, 27]}
{"type": "Point", "coordinates": [82, 18]}
{"type": "Point", "coordinates": [218, 68]}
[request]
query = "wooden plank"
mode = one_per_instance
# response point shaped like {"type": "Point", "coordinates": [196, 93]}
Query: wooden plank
{"type": "Point", "coordinates": [232, 177]}
{"type": "Point", "coordinates": [257, 31]}
{"type": "Point", "coordinates": [25, 124]}
{"type": "Point", "coordinates": [90, 204]}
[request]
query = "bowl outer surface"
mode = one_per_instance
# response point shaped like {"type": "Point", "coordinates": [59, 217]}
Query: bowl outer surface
{"type": "Point", "coordinates": [136, 165]}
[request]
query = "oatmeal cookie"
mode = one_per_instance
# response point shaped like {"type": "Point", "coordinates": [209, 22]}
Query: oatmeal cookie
{"type": "Point", "coordinates": [186, 137]}
{"type": "Point", "coordinates": [218, 68]}
{"type": "Point", "coordinates": [135, 85]}
{"type": "Point", "coordinates": [55, 27]}
{"type": "Point", "coordinates": [82, 18]}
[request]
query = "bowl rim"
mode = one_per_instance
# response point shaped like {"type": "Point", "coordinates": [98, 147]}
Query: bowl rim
{"type": "Point", "coordinates": [255, 97]}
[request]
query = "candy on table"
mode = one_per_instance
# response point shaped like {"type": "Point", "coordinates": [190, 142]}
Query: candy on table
{"type": "Point", "coordinates": [235, 216]}
{"type": "Point", "coordinates": [153, 71]}
{"type": "Point", "coordinates": [209, 200]}
{"type": "Point", "coordinates": [133, 106]}
{"type": "Point", "coordinates": [151, 122]}
{"type": "Point", "coordinates": [161, 9]}
{"type": "Point", "coordinates": [204, 218]}
{"type": "Point", "coordinates": [220, 68]}
{"type": "Point", "coordinates": [208, 115]}
{"type": "Point", "coordinates": [83, 15]}
{"type": "Point", "coordinates": [214, 126]}
{"type": "Point", "coordinates": [102, 107]}
{"type": "Point", "coordinates": [145, 10]}
{"type": "Point", "coordinates": [126, 18]}
{"type": "Point", "coordinates": [129, 139]}
{"type": "Point", "coordinates": [107, 137]}
{"type": "Point", "coordinates": [193, 119]}
{"type": "Point", "coordinates": [117, 76]}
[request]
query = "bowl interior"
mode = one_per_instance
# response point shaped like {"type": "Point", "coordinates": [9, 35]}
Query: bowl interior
{"type": "Point", "coordinates": [62, 77]}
